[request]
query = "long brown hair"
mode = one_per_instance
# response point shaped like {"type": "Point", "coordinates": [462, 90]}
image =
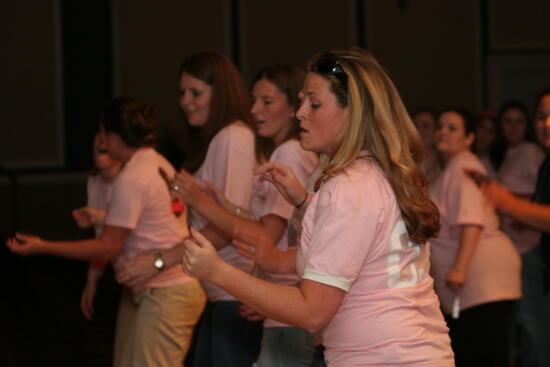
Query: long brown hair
{"type": "Point", "coordinates": [230, 102]}
{"type": "Point", "coordinates": [379, 122]}
{"type": "Point", "coordinates": [289, 79]}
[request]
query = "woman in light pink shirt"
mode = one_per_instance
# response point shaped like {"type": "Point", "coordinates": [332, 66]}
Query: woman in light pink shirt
{"type": "Point", "coordinates": [156, 315]}
{"type": "Point", "coordinates": [362, 260]}
{"type": "Point", "coordinates": [518, 167]}
{"type": "Point", "coordinates": [218, 148]}
{"type": "Point", "coordinates": [475, 266]}
{"type": "Point", "coordinates": [275, 100]}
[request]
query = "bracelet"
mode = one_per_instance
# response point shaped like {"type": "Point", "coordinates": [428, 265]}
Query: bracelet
{"type": "Point", "coordinates": [303, 201]}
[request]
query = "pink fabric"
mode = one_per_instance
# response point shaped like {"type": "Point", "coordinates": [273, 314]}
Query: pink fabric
{"type": "Point", "coordinates": [494, 273]}
{"type": "Point", "coordinates": [228, 165]}
{"type": "Point", "coordinates": [355, 239]}
{"type": "Point", "coordinates": [518, 173]}
{"type": "Point", "coordinates": [266, 200]}
{"type": "Point", "coordinates": [141, 202]}
{"type": "Point", "coordinates": [99, 196]}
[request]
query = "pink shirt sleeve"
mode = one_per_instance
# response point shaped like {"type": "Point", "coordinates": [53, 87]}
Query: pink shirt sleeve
{"type": "Point", "coordinates": [233, 157]}
{"type": "Point", "coordinates": [465, 202]}
{"type": "Point", "coordinates": [343, 232]}
{"type": "Point", "coordinates": [127, 204]}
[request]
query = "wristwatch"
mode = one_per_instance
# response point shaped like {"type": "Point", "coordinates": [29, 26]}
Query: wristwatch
{"type": "Point", "coordinates": [159, 263]}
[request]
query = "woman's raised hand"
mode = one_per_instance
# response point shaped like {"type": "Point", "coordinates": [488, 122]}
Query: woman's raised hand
{"type": "Point", "coordinates": [284, 180]}
{"type": "Point", "coordinates": [186, 188]}
{"type": "Point", "coordinates": [200, 258]}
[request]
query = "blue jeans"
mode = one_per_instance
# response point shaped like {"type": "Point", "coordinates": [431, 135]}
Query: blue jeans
{"type": "Point", "coordinates": [533, 316]}
{"type": "Point", "coordinates": [225, 339]}
{"type": "Point", "coordinates": [286, 347]}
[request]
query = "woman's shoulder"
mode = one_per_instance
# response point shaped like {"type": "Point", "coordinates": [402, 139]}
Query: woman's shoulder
{"type": "Point", "coordinates": [530, 149]}
{"type": "Point", "coordinates": [235, 130]}
{"type": "Point", "coordinates": [363, 178]}
{"type": "Point", "coordinates": [465, 160]}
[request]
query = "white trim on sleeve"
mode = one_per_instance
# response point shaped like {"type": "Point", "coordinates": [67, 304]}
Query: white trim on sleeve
{"type": "Point", "coordinates": [328, 279]}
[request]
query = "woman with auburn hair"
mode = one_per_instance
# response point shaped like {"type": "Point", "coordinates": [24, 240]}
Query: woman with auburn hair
{"type": "Point", "coordinates": [218, 148]}
{"type": "Point", "coordinates": [275, 100]}
{"type": "Point", "coordinates": [362, 260]}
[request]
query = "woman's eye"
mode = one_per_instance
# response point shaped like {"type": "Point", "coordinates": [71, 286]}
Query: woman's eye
{"type": "Point", "coordinates": [196, 93]}
{"type": "Point", "coordinates": [315, 106]}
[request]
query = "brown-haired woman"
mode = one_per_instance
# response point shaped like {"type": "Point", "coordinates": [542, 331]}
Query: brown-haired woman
{"type": "Point", "coordinates": [275, 100]}
{"type": "Point", "coordinates": [218, 149]}
{"type": "Point", "coordinates": [362, 259]}
{"type": "Point", "coordinates": [156, 315]}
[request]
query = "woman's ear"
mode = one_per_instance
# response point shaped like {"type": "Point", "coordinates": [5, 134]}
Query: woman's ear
{"type": "Point", "coordinates": [470, 138]}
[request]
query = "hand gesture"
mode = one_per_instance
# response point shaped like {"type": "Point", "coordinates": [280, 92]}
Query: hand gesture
{"type": "Point", "coordinates": [200, 258]}
{"type": "Point", "coordinates": [87, 216]}
{"type": "Point", "coordinates": [256, 247]}
{"type": "Point", "coordinates": [455, 279]}
{"type": "Point", "coordinates": [25, 245]}
{"type": "Point", "coordinates": [186, 188]}
{"type": "Point", "coordinates": [249, 313]}
{"type": "Point", "coordinates": [136, 270]}
{"type": "Point", "coordinates": [284, 180]}
{"type": "Point", "coordinates": [89, 292]}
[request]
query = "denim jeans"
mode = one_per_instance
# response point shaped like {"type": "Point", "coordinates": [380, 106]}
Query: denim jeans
{"type": "Point", "coordinates": [225, 339]}
{"type": "Point", "coordinates": [286, 347]}
{"type": "Point", "coordinates": [533, 316]}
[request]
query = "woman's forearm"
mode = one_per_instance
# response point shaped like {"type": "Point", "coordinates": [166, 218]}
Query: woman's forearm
{"type": "Point", "coordinates": [227, 221]}
{"type": "Point", "coordinates": [469, 240]}
{"type": "Point", "coordinates": [310, 306]}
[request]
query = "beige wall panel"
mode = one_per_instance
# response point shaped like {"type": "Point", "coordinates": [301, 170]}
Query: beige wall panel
{"type": "Point", "coordinates": [430, 48]}
{"type": "Point", "coordinates": [150, 40]}
{"type": "Point", "coordinates": [31, 127]}
{"type": "Point", "coordinates": [290, 32]}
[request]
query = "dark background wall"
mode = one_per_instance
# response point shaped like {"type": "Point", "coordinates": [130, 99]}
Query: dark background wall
{"type": "Point", "coordinates": [62, 59]}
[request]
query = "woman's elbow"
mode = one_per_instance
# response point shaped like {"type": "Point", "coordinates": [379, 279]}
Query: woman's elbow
{"type": "Point", "coordinates": [314, 323]}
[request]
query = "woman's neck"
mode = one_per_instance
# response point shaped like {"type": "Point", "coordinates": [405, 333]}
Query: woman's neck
{"type": "Point", "coordinates": [109, 174]}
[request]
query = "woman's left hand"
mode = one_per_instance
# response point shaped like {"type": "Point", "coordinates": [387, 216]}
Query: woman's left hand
{"type": "Point", "coordinates": [25, 245]}
{"type": "Point", "coordinates": [186, 188]}
{"type": "Point", "coordinates": [200, 258]}
{"type": "Point", "coordinates": [455, 279]}
{"type": "Point", "coordinates": [137, 269]}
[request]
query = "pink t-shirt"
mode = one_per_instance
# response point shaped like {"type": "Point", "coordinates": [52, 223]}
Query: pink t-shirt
{"type": "Point", "coordinates": [354, 239]}
{"type": "Point", "coordinates": [141, 202]}
{"type": "Point", "coordinates": [518, 173]}
{"type": "Point", "coordinates": [494, 273]}
{"type": "Point", "coordinates": [228, 165]}
{"type": "Point", "coordinates": [99, 196]}
{"type": "Point", "coordinates": [266, 200]}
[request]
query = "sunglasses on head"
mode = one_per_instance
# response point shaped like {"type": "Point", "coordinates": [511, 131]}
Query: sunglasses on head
{"type": "Point", "coordinates": [329, 64]}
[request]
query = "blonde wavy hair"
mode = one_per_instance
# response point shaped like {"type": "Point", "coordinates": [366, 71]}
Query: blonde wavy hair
{"type": "Point", "coordinates": [378, 122]}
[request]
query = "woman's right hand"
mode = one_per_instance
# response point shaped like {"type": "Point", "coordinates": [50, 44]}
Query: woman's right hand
{"type": "Point", "coordinates": [249, 313]}
{"type": "Point", "coordinates": [257, 248]}
{"type": "Point", "coordinates": [284, 180]}
{"type": "Point", "coordinates": [88, 294]}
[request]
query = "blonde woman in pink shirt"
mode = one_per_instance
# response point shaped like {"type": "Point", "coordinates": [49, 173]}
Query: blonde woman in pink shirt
{"type": "Point", "coordinates": [157, 315]}
{"type": "Point", "coordinates": [475, 266]}
{"type": "Point", "coordinates": [362, 261]}
{"type": "Point", "coordinates": [218, 148]}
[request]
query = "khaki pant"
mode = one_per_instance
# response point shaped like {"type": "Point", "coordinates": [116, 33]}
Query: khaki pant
{"type": "Point", "coordinates": [157, 330]}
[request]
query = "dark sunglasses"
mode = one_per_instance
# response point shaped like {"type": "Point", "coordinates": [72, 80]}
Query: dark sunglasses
{"type": "Point", "coordinates": [329, 64]}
